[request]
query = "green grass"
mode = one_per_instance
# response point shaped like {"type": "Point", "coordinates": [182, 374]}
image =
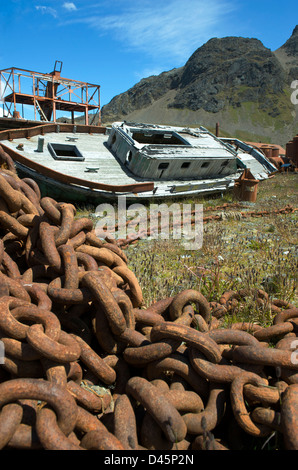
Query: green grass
{"type": "Point", "coordinates": [252, 253]}
{"type": "Point", "coordinates": [270, 111]}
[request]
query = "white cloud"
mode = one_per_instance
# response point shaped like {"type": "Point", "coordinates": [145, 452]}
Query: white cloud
{"type": "Point", "coordinates": [170, 28]}
{"type": "Point", "coordinates": [47, 10]}
{"type": "Point", "coordinates": [148, 72]}
{"type": "Point", "coordinates": [70, 6]}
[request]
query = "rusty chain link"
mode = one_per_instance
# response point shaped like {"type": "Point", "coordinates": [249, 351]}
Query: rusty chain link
{"type": "Point", "coordinates": [87, 366]}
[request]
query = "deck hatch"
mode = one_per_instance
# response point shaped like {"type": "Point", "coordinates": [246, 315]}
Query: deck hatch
{"type": "Point", "coordinates": [68, 152]}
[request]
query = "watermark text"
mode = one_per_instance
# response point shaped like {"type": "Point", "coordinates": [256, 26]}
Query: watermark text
{"type": "Point", "coordinates": [158, 221]}
{"type": "Point", "coordinates": [2, 352]}
{"type": "Point", "coordinates": [294, 95]}
{"type": "Point", "coordinates": [294, 355]}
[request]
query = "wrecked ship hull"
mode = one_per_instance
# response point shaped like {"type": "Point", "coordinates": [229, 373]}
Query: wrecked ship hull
{"type": "Point", "coordinates": [90, 164]}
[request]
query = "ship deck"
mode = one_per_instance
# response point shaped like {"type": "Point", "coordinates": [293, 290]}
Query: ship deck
{"type": "Point", "coordinates": [102, 166]}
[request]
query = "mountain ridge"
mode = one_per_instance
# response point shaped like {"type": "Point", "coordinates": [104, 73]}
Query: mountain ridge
{"type": "Point", "coordinates": [235, 81]}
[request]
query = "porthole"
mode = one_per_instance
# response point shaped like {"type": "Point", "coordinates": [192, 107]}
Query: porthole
{"type": "Point", "coordinates": [128, 157]}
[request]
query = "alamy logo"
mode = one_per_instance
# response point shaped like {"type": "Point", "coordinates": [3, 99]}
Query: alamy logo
{"type": "Point", "coordinates": [294, 355]}
{"type": "Point", "coordinates": [2, 352]}
{"type": "Point", "coordinates": [294, 95]}
{"type": "Point", "coordinates": [176, 221]}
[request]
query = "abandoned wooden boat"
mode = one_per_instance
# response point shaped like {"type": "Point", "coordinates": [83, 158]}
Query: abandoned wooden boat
{"type": "Point", "coordinates": [90, 164]}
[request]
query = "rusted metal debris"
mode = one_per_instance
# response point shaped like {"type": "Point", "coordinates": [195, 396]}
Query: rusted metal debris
{"type": "Point", "coordinates": [87, 366]}
{"type": "Point", "coordinates": [154, 230]}
{"type": "Point", "coordinates": [292, 151]}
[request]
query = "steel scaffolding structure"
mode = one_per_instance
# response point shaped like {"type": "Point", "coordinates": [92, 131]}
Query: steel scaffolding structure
{"type": "Point", "coordinates": [48, 93]}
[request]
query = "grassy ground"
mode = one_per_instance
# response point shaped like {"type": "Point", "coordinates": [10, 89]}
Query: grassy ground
{"type": "Point", "coordinates": [253, 252]}
{"type": "Point", "coordinates": [237, 253]}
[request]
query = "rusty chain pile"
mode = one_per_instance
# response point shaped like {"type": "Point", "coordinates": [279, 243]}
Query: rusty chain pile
{"type": "Point", "coordinates": [87, 366]}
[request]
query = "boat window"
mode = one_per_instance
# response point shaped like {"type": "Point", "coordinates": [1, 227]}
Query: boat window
{"type": "Point", "coordinates": [185, 165]}
{"type": "Point", "coordinates": [65, 152]}
{"type": "Point", "coordinates": [163, 166]}
{"type": "Point", "coordinates": [158, 138]}
{"type": "Point", "coordinates": [225, 163]}
{"type": "Point", "coordinates": [205, 164]}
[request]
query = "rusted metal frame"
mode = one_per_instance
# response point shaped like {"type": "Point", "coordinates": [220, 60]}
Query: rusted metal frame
{"type": "Point", "coordinates": [84, 90]}
{"type": "Point", "coordinates": [49, 77]}
{"type": "Point", "coordinates": [54, 110]}
{"type": "Point", "coordinates": [66, 87]}
{"type": "Point", "coordinates": [99, 109]}
{"type": "Point", "coordinates": [8, 108]}
{"type": "Point", "coordinates": [24, 95]}
{"type": "Point", "coordinates": [22, 70]}
{"type": "Point", "coordinates": [6, 80]}
{"type": "Point", "coordinates": [135, 187]}
{"type": "Point", "coordinates": [52, 99]}
{"type": "Point", "coordinates": [63, 104]}
{"type": "Point", "coordinates": [34, 99]}
{"type": "Point", "coordinates": [87, 95]}
{"type": "Point", "coordinates": [36, 87]}
{"type": "Point", "coordinates": [97, 113]}
{"type": "Point", "coordinates": [14, 95]}
{"type": "Point", "coordinates": [42, 83]}
{"type": "Point", "coordinates": [71, 103]}
{"type": "Point", "coordinates": [81, 86]}
{"type": "Point", "coordinates": [91, 97]}
{"type": "Point", "coordinates": [70, 91]}
{"type": "Point", "coordinates": [34, 109]}
{"type": "Point", "coordinates": [53, 89]}
{"type": "Point", "coordinates": [32, 76]}
{"type": "Point", "coordinates": [6, 70]}
{"type": "Point", "coordinates": [70, 80]}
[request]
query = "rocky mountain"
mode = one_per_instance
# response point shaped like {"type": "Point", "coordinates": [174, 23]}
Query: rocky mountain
{"type": "Point", "coordinates": [288, 55]}
{"type": "Point", "coordinates": [235, 81]}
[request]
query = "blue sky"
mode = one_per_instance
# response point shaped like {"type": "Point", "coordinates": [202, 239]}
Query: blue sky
{"type": "Point", "coordinates": [115, 43]}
